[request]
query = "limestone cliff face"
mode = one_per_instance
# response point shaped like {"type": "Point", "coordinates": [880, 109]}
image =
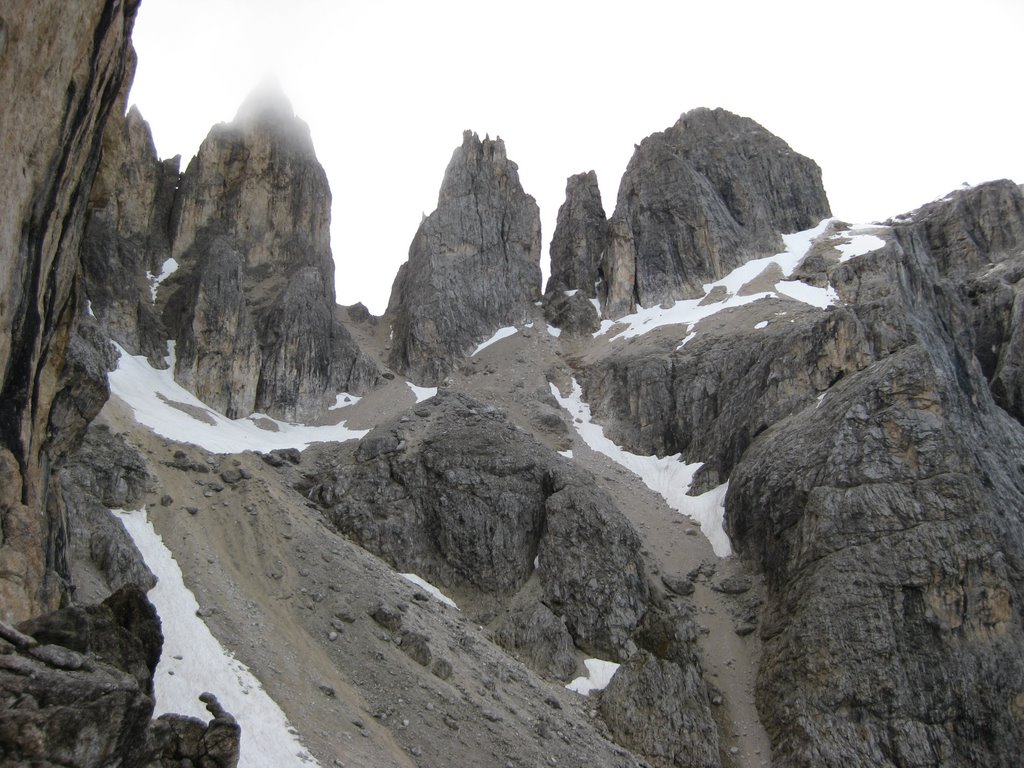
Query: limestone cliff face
{"type": "Point", "coordinates": [249, 295]}
{"type": "Point", "coordinates": [62, 68]}
{"type": "Point", "coordinates": [697, 200]}
{"type": "Point", "coordinates": [252, 306]}
{"type": "Point", "coordinates": [474, 264]}
{"type": "Point", "coordinates": [887, 522]}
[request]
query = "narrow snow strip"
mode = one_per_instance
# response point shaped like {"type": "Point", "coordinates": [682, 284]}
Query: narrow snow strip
{"type": "Point", "coordinates": [344, 400]}
{"type": "Point", "coordinates": [421, 393]}
{"type": "Point", "coordinates": [600, 674]}
{"type": "Point", "coordinates": [858, 245]}
{"type": "Point", "coordinates": [668, 476]}
{"type": "Point", "coordinates": [690, 311]}
{"type": "Point", "coordinates": [572, 293]}
{"type": "Point", "coordinates": [689, 337]}
{"type": "Point", "coordinates": [193, 661]}
{"type": "Point", "coordinates": [762, 324]}
{"type": "Point", "coordinates": [153, 395]}
{"type": "Point", "coordinates": [88, 308]}
{"type": "Point", "coordinates": [500, 334]}
{"type": "Point", "coordinates": [429, 588]}
{"type": "Point", "coordinates": [169, 268]}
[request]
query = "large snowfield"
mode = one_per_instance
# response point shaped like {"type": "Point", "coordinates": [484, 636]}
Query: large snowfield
{"type": "Point", "coordinates": [153, 394]}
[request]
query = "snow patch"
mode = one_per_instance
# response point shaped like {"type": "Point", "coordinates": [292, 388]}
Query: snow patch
{"type": "Point", "coordinates": [194, 661]}
{"type": "Point", "coordinates": [667, 476]}
{"type": "Point", "coordinates": [421, 393]}
{"type": "Point", "coordinates": [572, 293]}
{"type": "Point", "coordinates": [88, 308]}
{"type": "Point", "coordinates": [858, 245]}
{"type": "Point", "coordinates": [344, 400]}
{"type": "Point", "coordinates": [690, 311]}
{"type": "Point", "coordinates": [689, 337]}
{"type": "Point", "coordinates": [566, 454]}
{"type": "Point", "coordinates": [808, 294]}
{"type": "Point", "coordinates": [762, 324]}
{"type": "Point", "coordinates": [170, 410]}
{"type": "Point", "coordinates": [169, 268]}
{"type": "Point", "coordinates": [500, 334]}
{"type": "Point", "coordinates": [429, 588]}
{"type": "Point", "coordinates": [552, 331]}
{"type": "Point", "coordinates": [600, 674]}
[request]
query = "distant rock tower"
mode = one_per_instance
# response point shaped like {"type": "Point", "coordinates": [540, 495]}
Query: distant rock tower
{"type": "Point", "coordinates": [474, 264]}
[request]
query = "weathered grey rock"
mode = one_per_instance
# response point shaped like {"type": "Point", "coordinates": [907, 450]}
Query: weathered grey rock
{"type": "Point", "coordinates": [127, 238]}
{"type": "Point", "coordinates": [55, 108]}
{"type": "Point", "coordinates": [976, 237]}
{"type": "Point", "coordinates": [187, 741]}
{"type": "Point", "coordinates": [103, 474]}
{"type": "Point", "coordinates": [534, 634]}
{"type": "Point", "coordinates": [697, 200]}
{"type": "Point", "coordinates": [711, 397]}
{"type": "Point", "coordinates": [82, 694]}
{"type": "Point", "coordinates": [657, 703]}
{"type": "Point", "coordinates": [469, 502]}
{"type": "Point", "coordinates": [252, 304]}
{"type": "Point", "coordinates": [580, 240]}
{"type": "Point", "coordinates": [885, 521]}
{"type": "Point", "coordinates": [474, 264]}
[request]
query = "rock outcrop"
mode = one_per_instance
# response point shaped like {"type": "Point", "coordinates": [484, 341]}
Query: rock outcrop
{"type": "Point", "coordinates": [697, 200]}
{"type": "Point", "coordinates": [474, 264]}
{"type": "Point", "coordinates": [581, 238]}
{"type": "Point", "coordinates": [61, 72]}
{"type": "Point", "coordinates": [462, 497]}
{"type": "Point", "coordinates": [78, 690]}
{"type": "Point", "coordinates": [658, 703]}
{"type": "Point", "coordinates": [104, 473]}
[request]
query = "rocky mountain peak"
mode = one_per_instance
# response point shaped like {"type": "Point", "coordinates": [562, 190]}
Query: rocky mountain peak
{"type": "Point", "coordinates": [711, 192]}
{"type": "Point", "coordinates": [474, 264]}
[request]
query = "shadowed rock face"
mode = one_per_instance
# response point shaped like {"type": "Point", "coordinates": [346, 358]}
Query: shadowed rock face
{"type": "Point", "coordinates": [580, 239]}
{"type": "Point", "coordinates": [474, 265]}
{"type": "Point", "coordinates": [55, 107]}
{"type": "Point", "coordinates": [699, 199]}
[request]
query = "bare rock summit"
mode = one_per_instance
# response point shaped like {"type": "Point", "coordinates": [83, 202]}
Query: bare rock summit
{"type": "Point", "coordinates": [474, 264]}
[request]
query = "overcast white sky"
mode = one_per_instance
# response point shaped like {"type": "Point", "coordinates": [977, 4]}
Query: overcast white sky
{"type": "Point", "coordinates": [898, 101]}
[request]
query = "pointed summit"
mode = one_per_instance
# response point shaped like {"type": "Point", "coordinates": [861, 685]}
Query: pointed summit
{"type": "Point", "coordinates": [266, 102]}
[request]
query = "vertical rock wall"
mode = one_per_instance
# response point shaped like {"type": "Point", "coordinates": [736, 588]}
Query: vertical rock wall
{"type": "Point", "coordinates": [62, 67]}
